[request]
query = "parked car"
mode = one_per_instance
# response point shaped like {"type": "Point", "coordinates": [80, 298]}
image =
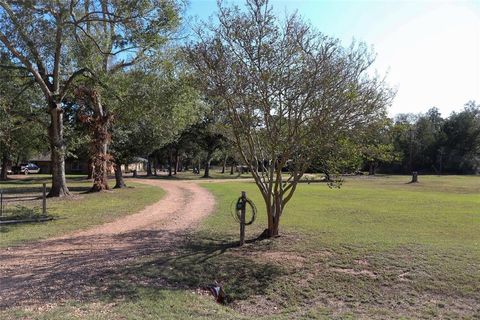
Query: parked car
{"type": "Point", "coordinates": [26, 168]}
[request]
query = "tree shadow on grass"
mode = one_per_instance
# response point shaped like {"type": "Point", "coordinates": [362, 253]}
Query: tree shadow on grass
{"type": "Point", "coordinates": [90, 268]}
{"type": "Point", "coordinates": [196, 264]}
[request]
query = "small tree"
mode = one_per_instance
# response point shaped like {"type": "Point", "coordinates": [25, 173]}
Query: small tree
{"type": "Point", "coordinates": [287, 90]}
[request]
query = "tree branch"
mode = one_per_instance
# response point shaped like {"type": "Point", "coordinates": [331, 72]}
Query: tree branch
{"type": "Point", "coordinates": [28, 65]}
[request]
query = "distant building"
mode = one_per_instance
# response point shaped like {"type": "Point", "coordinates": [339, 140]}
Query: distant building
{"type": "Point", "coordinates": [80, 165]}
{"type": "Point", "coordinates": [72, 165]}
{"type": "Point", "coordinates": [139, 164]}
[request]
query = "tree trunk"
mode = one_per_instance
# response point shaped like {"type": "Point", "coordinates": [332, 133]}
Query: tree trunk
{"type": "Point", "coordinates": [100, 162]}
{"type": "Point", "coordinates": [274, 214]}
{"type": "Point", "coordinates": [231, 168]}
{"type": "Point", "coordinates": [149, 167]}
{"type": "Point", "coordinates": [273, 226]}
{"type": "Point", "coordinates": [155, 164]}
{"type": "Point", "coordinates": [224, 164]}
{"type": "Point", "coordinates": [176, 162]}
{"type": "Point", "coordinates": [119, 182]}
{"type": "Point", "coordinates": [100, 157]}
{"type": "Point", "coordinates": [99, 125]}
{"type": "Point", "coordinates": [170, 164]}
{"type": "Point", "coordinates": [371, 169]}
{"type": "Point", "coordinates": [273, 231]}
{"type": "Point", "coordinates": [3, 172]}
{"type": "Point", "coordinates": [414, 177]}
{"type": "Point", "coordinates": [57, 144]}
{"type": "Point", "coordinates": [90, 168]}
{"type": "Point", "coordinates": [207, 167]}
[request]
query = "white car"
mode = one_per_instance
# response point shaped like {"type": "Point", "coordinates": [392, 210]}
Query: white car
{"type": "Point", "coordinates": [26, 168]}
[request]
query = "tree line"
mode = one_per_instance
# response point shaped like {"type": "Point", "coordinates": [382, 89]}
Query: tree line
{"type": "Point", "coordinates": [424, 142]}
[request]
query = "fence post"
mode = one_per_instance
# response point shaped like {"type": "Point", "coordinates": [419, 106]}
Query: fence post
{"type": "Point", "coordinates": [44, 200]}
{"type": "Point", "coordinates": [242, 218]}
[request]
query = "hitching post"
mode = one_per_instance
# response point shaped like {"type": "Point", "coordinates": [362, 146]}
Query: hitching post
{"type": "Point", "coordinates": [242, 218]}
{"type": "Point", "coordinates": [44, 200]}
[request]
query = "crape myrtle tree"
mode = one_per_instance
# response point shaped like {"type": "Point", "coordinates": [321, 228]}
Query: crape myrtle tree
{"type": "Point", "coordinates": [287, 89]}
{"type": "Point", "coordinates": [41, 36]}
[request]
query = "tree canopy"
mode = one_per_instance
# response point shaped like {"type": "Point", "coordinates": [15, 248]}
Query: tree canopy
{"type": "Point", "coordinates": [288, 91]}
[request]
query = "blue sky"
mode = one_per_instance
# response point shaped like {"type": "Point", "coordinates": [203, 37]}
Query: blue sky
{"type": "Point", "coordinates": [430, 49]}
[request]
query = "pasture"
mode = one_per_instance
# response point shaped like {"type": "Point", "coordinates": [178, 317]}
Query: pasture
{"type": "Point", "coordinates": [376, 248]}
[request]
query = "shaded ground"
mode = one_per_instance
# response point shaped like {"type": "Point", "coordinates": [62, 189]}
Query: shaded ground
{"type": "Point", "coordinates": [74, 266]}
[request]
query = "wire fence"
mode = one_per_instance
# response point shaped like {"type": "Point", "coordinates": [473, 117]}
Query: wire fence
{"type": "Point", "coordinates": [23, 204]}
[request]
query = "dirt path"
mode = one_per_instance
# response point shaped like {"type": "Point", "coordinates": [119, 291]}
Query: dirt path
{"type": "Point", "coordinates": [74, 266]}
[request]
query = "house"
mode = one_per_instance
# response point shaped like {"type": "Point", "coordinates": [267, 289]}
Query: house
{"type": "Point", "coordinates": [80, 165]}
{"type": "Point", "coordinates": [138, 164]}
{"type": "Point", "coordinates": [72, 165]}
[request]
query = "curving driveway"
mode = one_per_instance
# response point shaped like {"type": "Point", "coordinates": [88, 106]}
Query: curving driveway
{"type": "Point", "coordinates": [74, 266]}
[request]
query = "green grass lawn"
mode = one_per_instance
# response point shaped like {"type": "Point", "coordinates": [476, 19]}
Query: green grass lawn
{"type": "Point", "coordinates": [439, 212]}
{"type": "Point", "coordinates": [81, 211]}
{"type": "Point", "coordinates": [378, 248]}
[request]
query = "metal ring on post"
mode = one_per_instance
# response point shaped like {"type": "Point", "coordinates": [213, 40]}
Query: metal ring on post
{"type": "Point", "coordinates": [236, 209]}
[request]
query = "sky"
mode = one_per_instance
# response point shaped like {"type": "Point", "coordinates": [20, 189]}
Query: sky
{"type": "Point", "coordinates": [429, 50]}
